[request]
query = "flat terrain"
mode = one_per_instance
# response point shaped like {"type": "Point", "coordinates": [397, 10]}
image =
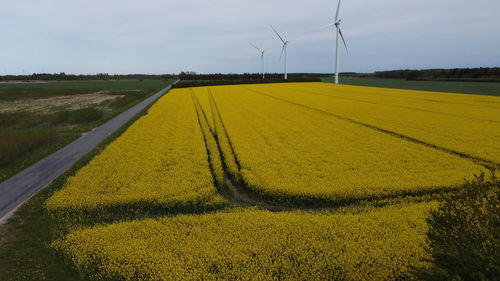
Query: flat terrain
{"type": "Point", "coordinates": [38, 118]}
{"type": "Point", "coordinates": [21, 186]}
{"type": "Point", "coordinates": [481, 88]}
{"type": "Point", "coordinates": [13, 91]}
{"type": "Point", "coordinates": [274, 181]}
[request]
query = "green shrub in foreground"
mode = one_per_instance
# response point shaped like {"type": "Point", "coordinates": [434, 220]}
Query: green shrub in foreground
{"type": "Point", "coordinates": [464, 235]}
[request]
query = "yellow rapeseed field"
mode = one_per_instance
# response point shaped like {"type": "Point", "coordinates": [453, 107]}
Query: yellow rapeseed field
{"type": "Point", "coordinates": [468, 124]}
{"type": "Point", "coordinates": [214, 157]}
{"type": "Point", "coordinates": [159, 162]}
{"type": "Point", "coordinates": [289, 153]}
{"type": "Point", "coordinates": [256, 245]}
{"type": "Point", "coordinates": [294, 144]}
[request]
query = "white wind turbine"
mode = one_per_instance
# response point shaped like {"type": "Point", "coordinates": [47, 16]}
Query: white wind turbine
{"type": "Point", "coordinates": [283, 49]}
{"type": "Point", "coordinates": [261, 59]}
{"type": "Point", "coordinates": [339, 32]}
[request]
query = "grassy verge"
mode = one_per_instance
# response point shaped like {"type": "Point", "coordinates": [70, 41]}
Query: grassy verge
{"type": "Point", "coordinates": [23, 160]}
{"type": "Point", "coordinates": [481, 88]}
{"type": "Point", "coordinates": [25, 238]}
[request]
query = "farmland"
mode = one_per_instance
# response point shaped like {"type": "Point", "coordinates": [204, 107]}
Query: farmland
{"type": "Point", "coordinates": [465, 87]}
{"type": "Point", "coordinates": [293, 152]}
{"type": "Point", "coordinates": [37, 118]}
{"type": "Point", "coordinates": [191, 189]}
{"type": "Point", "coordinates": [255, 245]}
{"type": "Point", "coordinates": [128, 174]}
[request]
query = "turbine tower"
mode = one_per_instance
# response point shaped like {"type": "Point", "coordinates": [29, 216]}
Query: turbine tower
{"type": "Point", "coordinates": [283, 49]}
{"type": "Point", "coordinates": [339, 32]}
{"type": "Point", "coordinates": [261, 60]}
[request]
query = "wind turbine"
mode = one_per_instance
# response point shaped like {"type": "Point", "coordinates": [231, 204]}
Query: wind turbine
{"type": "Point", "coordinates": [339, 32]}
{"type": "Point", "coordinates": [261, 59]}
{"type": "Point", "coordinates": [283, 49]}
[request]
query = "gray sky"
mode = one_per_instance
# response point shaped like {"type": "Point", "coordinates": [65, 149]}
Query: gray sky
{"type": "Point", "coordinates": [153, 36]}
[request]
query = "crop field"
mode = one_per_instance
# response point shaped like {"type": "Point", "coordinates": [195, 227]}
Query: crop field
{"type": "Point", "coordinates": [465, 87]}
{"type": "Point", "coordinates": [295, 181]}
{"type": "Point", "coordinates": [290, 149]}
{"type": "Point", "coordinates": [159, 162]}
{"type": "Point", "coordinates": [255, 245]}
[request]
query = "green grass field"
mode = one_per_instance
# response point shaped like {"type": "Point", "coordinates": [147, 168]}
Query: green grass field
{"type": "Point", "coordinates": [30, 133]}
{"type": "Point", "coordinates": [11, 91]}
{"type": "Point", "coordinates": [481, 88]}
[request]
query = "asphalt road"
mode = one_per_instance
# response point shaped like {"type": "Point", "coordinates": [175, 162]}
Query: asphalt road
{"type": "Point", "coordinates": [17, 189]}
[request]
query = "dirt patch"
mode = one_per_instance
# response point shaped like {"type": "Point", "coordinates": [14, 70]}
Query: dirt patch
{"type": "Point", "coordinates": [47, 105]}
{"type": "Point", "coordinates": [240, 197]}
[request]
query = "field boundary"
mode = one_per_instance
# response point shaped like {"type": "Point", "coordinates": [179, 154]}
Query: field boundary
{"type": "Point", "coordinates": [445, 87]}
{"type": "Point", "coordinates": [239, 193]}
{"type": "Point", "coordinates": [389, 105]}
{"type": "Point", "coordinates": [22, 186]}
{"type": "Point", "coordinates": [490, 165]}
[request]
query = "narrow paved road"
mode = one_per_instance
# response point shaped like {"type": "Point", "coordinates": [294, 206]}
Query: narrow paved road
{"type": "Point", "coordinates": [17, 189]}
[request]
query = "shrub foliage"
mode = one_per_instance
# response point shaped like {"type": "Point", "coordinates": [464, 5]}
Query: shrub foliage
{"type": "Point", "coordinates": [464, 234]}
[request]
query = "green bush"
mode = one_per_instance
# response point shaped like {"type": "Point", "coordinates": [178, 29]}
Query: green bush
{"type": "Point", "coordinates": [59, 117]}
{"type": "Point", "coordinates": [464, 234]}
{"type": "Point", "coordinates": [85, 115]}
{"type": "Point", "coordinates": [14, 144]}
{"type": "Point", "coordinates": [17, 120]}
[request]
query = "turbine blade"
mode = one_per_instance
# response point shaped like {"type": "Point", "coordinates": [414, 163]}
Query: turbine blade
{"type": "Point", "coordinates": [255, 47]}
{"type": "Point", "coordinates": [337, 14]}
{"type": "Point", "coordinates": [328, 25]}
{"type": "Point", "coordinates": [342, 36]}
{"type": "Point", "coordinates": [278, 34]}
{"type": "Point", "coordinates": [282, 50]}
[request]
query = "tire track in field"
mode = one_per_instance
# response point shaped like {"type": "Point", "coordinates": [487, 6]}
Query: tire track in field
{"type": "Point", "coordinates": [235, 189]}
{"type": "Point", "coordinates": [217, 116]}
{"type": "Point", "coordinates": [389, 105]}
{"type": "Point", "coordinates": [232, 192]}
{"type": "Point", "coordinates": [490, 165]}
{"type": "Point", "coordinates": [239, 194]}
{"type": "Point", "coordinates": [205, 141]}
{"type": "Point", "coordinates": [397, 91]}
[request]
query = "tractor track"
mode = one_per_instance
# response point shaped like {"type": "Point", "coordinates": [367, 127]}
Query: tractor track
{"type": "Point", "coordinates": [388, 105]}
{"type": "Point", "coordinates": [490, 165]}
{"type": "Point", "coordinates": [237, 192]}
{"type": "Point", "coordinates": [234, 191]}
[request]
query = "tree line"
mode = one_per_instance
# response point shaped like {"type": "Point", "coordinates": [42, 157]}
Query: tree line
{"type": "Point", "coordinates": [99, 76]}
{"type": "Point", "coordinates": [457, 74]}
{"type": "Point", "coordinates": [185, 75]}
{"type": "Point", "coordinates": [227, 76]}
{"type": "Point", "coordinates": [483, 74]}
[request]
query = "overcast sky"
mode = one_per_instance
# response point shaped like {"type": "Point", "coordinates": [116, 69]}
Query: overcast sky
{"type": "Point", "coordinates": [153, 36]}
